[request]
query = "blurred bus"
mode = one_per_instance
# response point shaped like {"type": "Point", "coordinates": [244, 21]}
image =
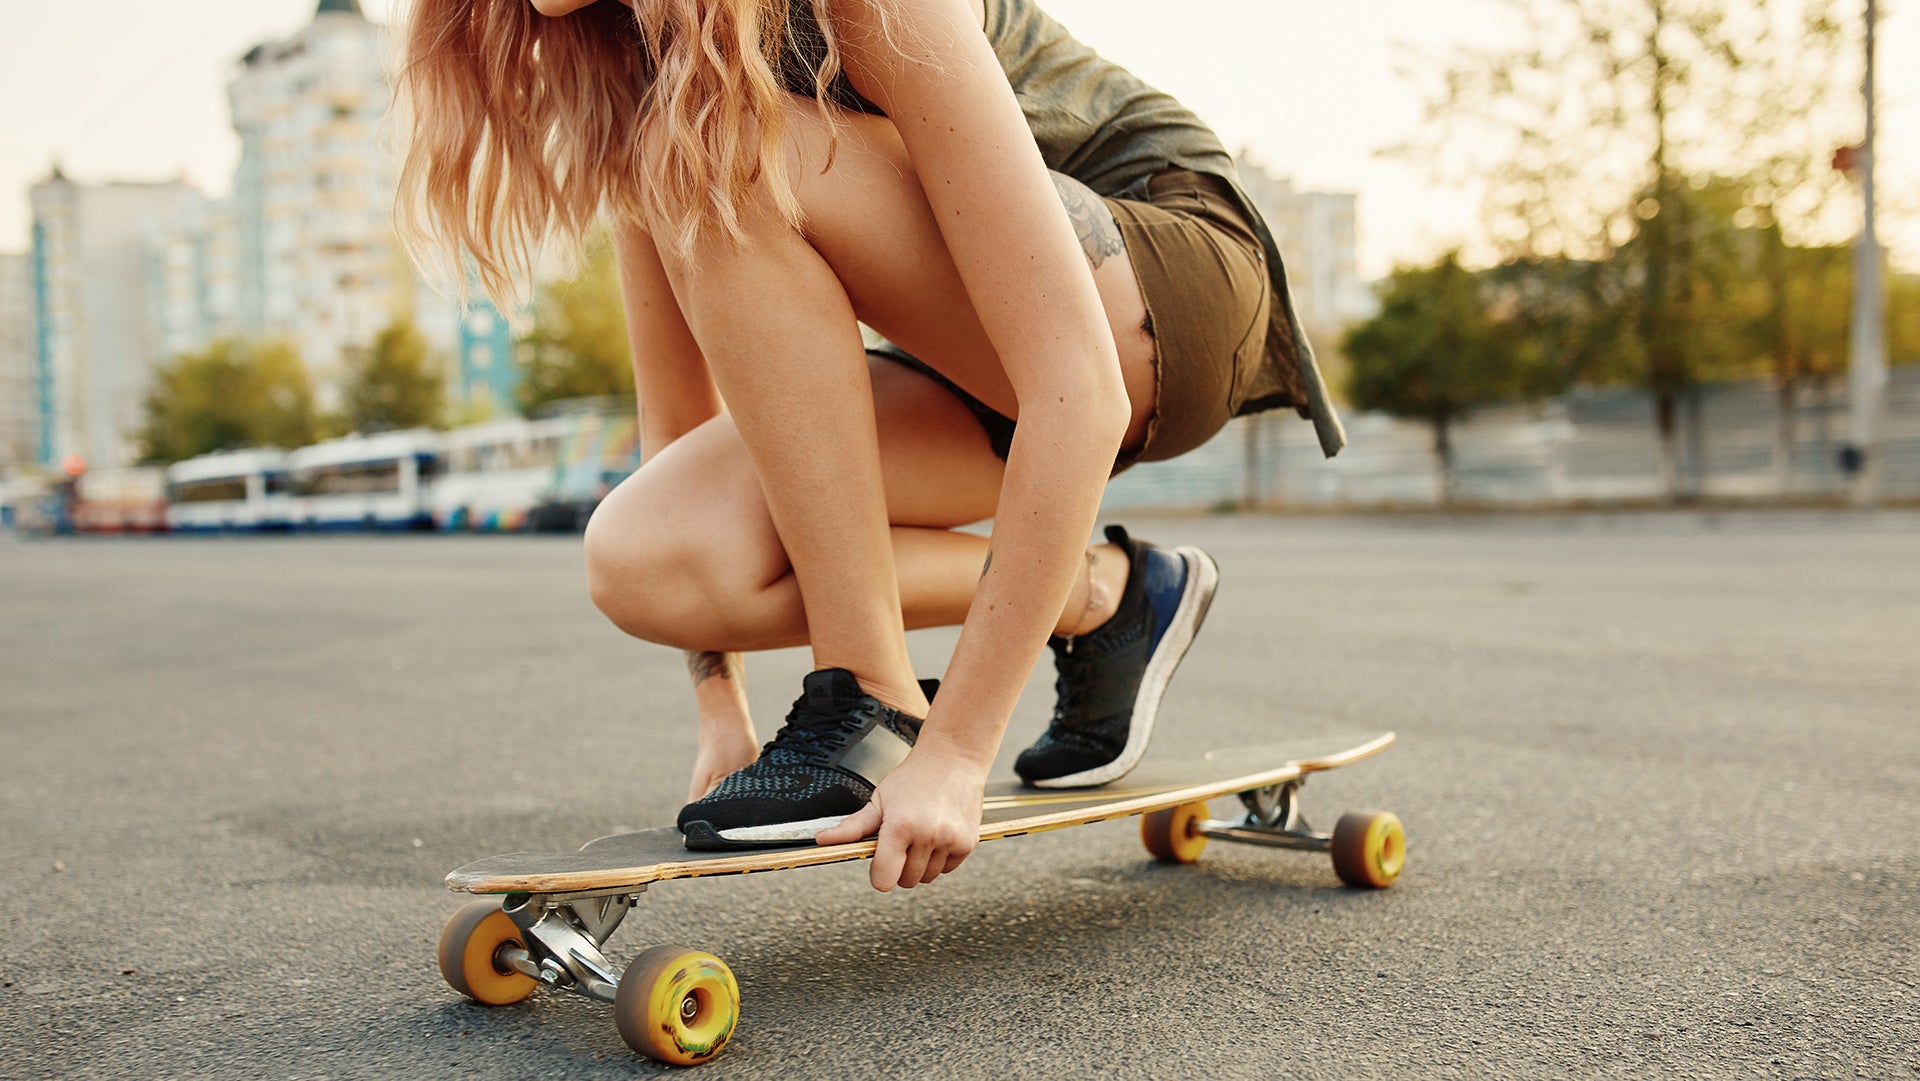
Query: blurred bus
{"type": "Point", "coordinates": [233, 491]}
{"type": "Point", "coordinates": [496, 473]}
{"type": "Point", "coordinates": [368, 482]}
{"type": "Point", "coordinates": [600, 450]}
{"type": "Point", "coordinates": [129, 500]}
{"type": "Point", "coordinates": [32, 504]}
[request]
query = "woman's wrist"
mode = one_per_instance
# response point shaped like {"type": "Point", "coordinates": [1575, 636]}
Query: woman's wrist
{"type": "Point", "coordinates": [961, 752]}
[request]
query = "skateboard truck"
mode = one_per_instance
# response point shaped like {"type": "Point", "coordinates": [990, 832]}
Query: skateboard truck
{"type": "Point", "coordinates": [564, 933]}
{"type": "Point", "coordinates": [1368, 847]}
{"type": "Point", "coordinates": [1273, 819]}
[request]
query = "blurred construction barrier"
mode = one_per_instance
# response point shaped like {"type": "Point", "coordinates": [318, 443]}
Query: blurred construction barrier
{"type": "Point", "coordinates": [1593, 446]}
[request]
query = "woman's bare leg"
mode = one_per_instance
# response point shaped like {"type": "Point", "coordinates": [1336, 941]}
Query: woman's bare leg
{"type": "Point", "coordinates": [685, 552]}
{"type": "Point", "coordinates": [779, 336]}
{"type": "Point", "coordinates": [775, 320]}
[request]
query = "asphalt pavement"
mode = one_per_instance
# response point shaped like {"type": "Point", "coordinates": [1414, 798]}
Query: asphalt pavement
{"type": "Point", "coordinates": [1660, 775]}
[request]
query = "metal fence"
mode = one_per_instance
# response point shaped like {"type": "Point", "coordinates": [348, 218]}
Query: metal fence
{"type": "Point", "coordinates": [1591, 446]}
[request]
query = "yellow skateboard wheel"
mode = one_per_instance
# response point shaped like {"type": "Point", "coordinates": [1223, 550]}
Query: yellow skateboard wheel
{"type": "Point", "coordinates": [469, 945]}
{"type": "Point", "coordinates": [677, 1005]}
{"type": "Point", "coordinates": [1173, 835]}
{"type": "Point", "coordinates": [1369, 849]}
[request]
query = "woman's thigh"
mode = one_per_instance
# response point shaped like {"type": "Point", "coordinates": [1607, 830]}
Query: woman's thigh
{"type": "Point", "coordinates": [691, 526]}
{"type": "Point", "coordinates": [869, 218]}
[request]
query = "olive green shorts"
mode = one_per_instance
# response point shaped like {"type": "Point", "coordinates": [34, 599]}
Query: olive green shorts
{"type": "Point", "coordinates": [1204, 279]}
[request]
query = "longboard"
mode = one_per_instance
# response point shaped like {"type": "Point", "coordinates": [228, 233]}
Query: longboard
{"type": "Point", "coordinates": [680, 1005]}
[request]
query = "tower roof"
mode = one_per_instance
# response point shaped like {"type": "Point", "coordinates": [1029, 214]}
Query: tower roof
{"type": "Point", "coordinates": [343, 7]}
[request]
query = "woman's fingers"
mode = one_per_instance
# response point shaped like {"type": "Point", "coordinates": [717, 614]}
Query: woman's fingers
{"type": "Point", "coordinates": [913, 869]}
{"type": "Point", "coordinates": [857, 826]}
{"type": "Point", "coordinates": [889, 858]}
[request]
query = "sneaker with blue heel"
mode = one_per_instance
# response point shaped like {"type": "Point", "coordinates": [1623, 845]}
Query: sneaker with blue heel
{"type": "Point", "coordinates": [1111, 679]}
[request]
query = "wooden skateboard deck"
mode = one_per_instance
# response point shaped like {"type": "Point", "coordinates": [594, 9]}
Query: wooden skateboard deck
{"type": "Point", "coordinates": [550, 912]}
{"type": "Point", "coordinates": [1012, 809]}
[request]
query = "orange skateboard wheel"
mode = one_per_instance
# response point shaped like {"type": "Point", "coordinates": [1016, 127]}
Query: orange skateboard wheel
{"type": "Point", "coordinates": [468, 947]}
{"type": "Point", "coordinates": [1173, 835]}
{"type": "Point", "coordinates": [677, 1005]}
{"type": "Point", "coordinates": [1369, 849]}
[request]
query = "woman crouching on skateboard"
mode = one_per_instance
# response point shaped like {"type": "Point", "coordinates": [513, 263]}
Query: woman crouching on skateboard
{"type": "Point", "coordinates": [1073, 280]}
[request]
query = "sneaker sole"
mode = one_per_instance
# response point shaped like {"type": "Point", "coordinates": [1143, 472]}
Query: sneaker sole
{"type": "Point", "coordinates": [702, 837]}
{"type": "Point", "coordinates": [1173, 648]}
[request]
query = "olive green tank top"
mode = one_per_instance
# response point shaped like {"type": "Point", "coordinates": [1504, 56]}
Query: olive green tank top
{"type": "Point", "coordinates": [1099, 124]}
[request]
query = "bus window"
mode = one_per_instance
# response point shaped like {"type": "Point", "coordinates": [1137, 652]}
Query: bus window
{"type": "Point", "coordinates": [212, 490]}
{"type": "Point", "coordinates": [353, 478]}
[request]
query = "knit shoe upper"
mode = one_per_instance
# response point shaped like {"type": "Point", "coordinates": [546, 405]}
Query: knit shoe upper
{"type": "Point", "coordinates": [836, 744]}
{"type": "Point", "coordinates": [1109, 682]}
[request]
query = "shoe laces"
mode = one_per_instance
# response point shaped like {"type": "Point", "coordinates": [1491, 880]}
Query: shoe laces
{"type": "Point", "coordinates": [814, 734]}
{"type": "Point", "coordinates": [1074, 674]}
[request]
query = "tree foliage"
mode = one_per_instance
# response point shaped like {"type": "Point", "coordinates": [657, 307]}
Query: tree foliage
{"type": "Point", "coordinates": [1582, 134]}
{"type": "Point", "coordinates": [1903, 319]}
{"type": "Point", "coordinates": [232, 394]}
{"type": "Point", "coordinates": [1810, 337]}
{"type": "Point", "coordinates": [1435, 352]}
{"type": "Point", "coordinates": [578, 345]}
{"type": "Point", "coordinates": [1568, 321]}
{"type": "Point", "coordinates": [1589, 107]}
{"type": "Point", "coordinates": [395, 383]}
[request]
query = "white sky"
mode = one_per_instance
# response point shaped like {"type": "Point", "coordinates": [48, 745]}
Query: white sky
{"type": "Point", "coordinates": [121, 90]}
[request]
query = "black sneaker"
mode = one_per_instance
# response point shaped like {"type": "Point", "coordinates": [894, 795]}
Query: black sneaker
{"type": "Point", "coordinates": [1111, 679]}
{"type": "Point", "coordinates": [837, 743]}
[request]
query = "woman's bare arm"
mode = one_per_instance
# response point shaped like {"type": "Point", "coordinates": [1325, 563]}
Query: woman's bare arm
{"type": "Point", "coordinates": [670, 377]}
{"type": "Point", "coordinates": [1025, 273]}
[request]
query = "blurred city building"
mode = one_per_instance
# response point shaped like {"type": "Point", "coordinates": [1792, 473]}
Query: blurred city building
{"type": "Point", "coordinates": [313, 195]}
{"type": "Point", "coordinates": [94, 341]}
{"type": "Point", "coordinates": [1318, 235]}
{"type": "Point", "coordinates": [302, 250]}
{"type": "Point", "coordinates": [19, 394]}
{"type": "Point", "coordinates": [192, 278]}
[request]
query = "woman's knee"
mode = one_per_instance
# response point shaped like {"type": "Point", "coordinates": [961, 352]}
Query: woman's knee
{"type": "Point", "coordinates": [630, 577]}
{"type": "Point", "coordinates": [659, 576]}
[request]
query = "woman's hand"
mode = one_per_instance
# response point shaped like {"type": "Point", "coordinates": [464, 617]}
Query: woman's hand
{"type": "Point", "coordinates": [927, 814]}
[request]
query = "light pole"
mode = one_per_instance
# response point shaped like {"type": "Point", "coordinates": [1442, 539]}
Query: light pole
{"type": "Point", "coordinates": [1868, 364]}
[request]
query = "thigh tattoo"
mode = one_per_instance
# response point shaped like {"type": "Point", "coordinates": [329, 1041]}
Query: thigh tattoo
{"type": "Point", "coordinates": [1092, 221]}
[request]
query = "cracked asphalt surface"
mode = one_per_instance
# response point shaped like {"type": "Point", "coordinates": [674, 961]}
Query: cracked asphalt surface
{"type": "Point", "coordinates": [1659, 773]}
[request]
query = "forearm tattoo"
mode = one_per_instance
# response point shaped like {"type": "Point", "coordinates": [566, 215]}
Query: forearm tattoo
{"type": "Point", "coordinates": [703, 665]}
{"type": "Point", "coordinates": [1092, 221]}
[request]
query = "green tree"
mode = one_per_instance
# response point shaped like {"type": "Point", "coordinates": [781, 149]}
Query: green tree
{"type": "Point", "coordinates": [1806, 341]}
{"type": "Point", "coordinates": [232, 394]}
{"type": "Point", "coordinates": [1583, 133]}
{"type": "Point", "coordinates": [1434, 353]}
{"type": "Point", "coordinates": [1568, 321]}
{"type": "Point", "coordinates": [395, 383]}
{"type": "Point", "coordinates": [578, 345]}
{"type": "Point", "coordinates": [1903, 319]}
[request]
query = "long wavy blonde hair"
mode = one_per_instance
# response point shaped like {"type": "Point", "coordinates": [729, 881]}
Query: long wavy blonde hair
{"type": "Point", "coordinates": [521, 128]}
